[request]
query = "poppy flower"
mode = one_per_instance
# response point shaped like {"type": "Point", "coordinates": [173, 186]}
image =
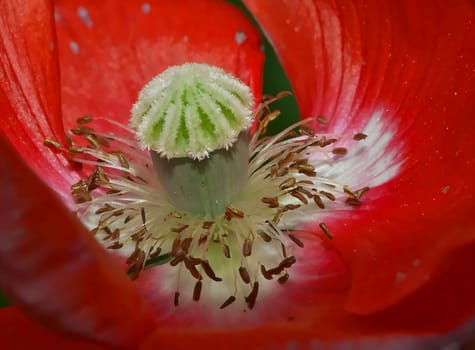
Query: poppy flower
{"type": "Point", "coordinates": [398, 78]}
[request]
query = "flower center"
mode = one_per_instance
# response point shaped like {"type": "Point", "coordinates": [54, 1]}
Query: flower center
{"type": "Point", "coordinates": [219, 210]}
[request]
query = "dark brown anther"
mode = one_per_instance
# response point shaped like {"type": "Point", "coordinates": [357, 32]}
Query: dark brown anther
{"type": "Point", "coordinates": [107, 230]}
{"type": "Point", "coordinates": [272, 202]}
{"type": "Point", "coordinates": [349, 192]}
{"type": "Point", "coordinates": [115, 234]}
{"type": "Point", "coordinates": [84, 120]}
{"type": "Point", "coordinates": [244, 275]}
{"type": "Point", "coordinates": [299, 196]}
{"type": "Point", "coordinates": [265, 273]}
{"type": "Point", "coordinates": [142, 214]}
{"type": "Point", "coordinates": [226, 251]}
{"type": "Point", "coordinates": [305, 182]}
{"type": "Point", "coordinates": [288, 262]}
{"type": "Point", "coordinates": [69, 141]}
{"type": "Point", "coordinates": [359, 193]}
{"type": "Point", "coordinates": [292, 206]}
{"type": "Point", "coordinates": [304, 191]}
{"type": "Point", "coordinates": [185, 244]}
{"type": "Point", "coordinates": [209, 271]}
{"type": "Point", "coordinates": [247, 247]}
{"type": "Point", "coordinates": [265, 236]}
{"type": "Point", "coordinates": [359, 136]}
{"type": "Point", "coordinates": [80, 191]}
{"type": "Point", "coordinates": [82, 130]}
{"type": "Point", "coordinates": [322, 120]}
{"type": "Point", "coordinates": [296, 240]}
{"type": "Point", "coordinates": [289, 183]}
{"type": "Point", "coordinates": [103, 141]}
{"type": "Point", "coordinates": [197, 291]}
{"type": "Point", "coordinates": [341, 151]}
{"type": "Point", "coordinates": [276, 270]}
{"type": "Point", "coordinates": [176, 298]}
{"type": "Point", "coordinates": [325, 230]}
{"type": "Point", "coordinates": [207, 224]}
{"type": "Point", "coordinates": [353, 202]}
{"type": "Point", "coordinates": [136, 265]}
{"type": "Point", "coordinates": [251, 298]}
{"type": "Point", "coordinates": [284, 278]}
{"type": "Point", "coordinates": [128, 218]}
{"type": "Point", "coordinates": [180, 229]}
{"type": "Point", "coordinates": [156, 253]}
{"type": "Point", "coordinates": [122, 160]}
{"type": "Point", "coordinates": [287, 159]}
{"type": "Point", "coordinates": [193, 260]}
{"type": "Point", "coordinates": [116, 245]}
{"type": "Point", "coordinates": [306, 130]}
{"type": "Point", "coordinates": [329, 195]}
{"type": "Point", "coordinates": [325, 142]}
{"type": "Point", "coordinates": [93, 141]}
{"type": "Point", "coordinates": [76, 150]}
{"type": "Point", "coordinates": [228, 301]}
{"type": "Point", "coordinates": [51, 143]}
{"type": "Point", "coordinates": [192, 268]}
{"type": "Point", "coordinates": [101, 176]}
{"type": "Point", "coordinates": [307, 170]}
{"type": "Point", "coordinates": [138, 236]}
{"type": "Point", "coordinates": [135, 256]}
{"type": "Point", "coordinates": [282, 94]}
{"type": "Point", "coordinates": [118, 212]}
{"type": "Point", "coordinates": [104, 209]}
{"type": "Point", "coordinates": [232, 213]}
{"type": "Point", "coordinates": [318, 201]}
{"type": "Point", "coordinates": [177, 259]}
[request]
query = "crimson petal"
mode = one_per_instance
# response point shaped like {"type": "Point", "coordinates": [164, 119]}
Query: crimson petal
{"type": "Point", "coordinates": [29, 92]}
{"type": "Point", "coordinates": [55, 270]}
{"type": "Point", "coordinates": [412, 62]}
{"type": "Point", "coordinates": [108, 50]}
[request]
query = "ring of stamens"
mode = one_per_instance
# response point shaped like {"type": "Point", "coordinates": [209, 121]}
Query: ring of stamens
{"type": "Point", "coordinates": [121, 202]}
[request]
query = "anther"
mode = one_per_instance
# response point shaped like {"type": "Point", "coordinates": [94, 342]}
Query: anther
{"type": "Point", "coordinates": [251, 298]}
{"type": "Point", "coordinates": [209, 271]}
{"type": "Point", "coordinates": [228, 301]}
{"type": "Point", "coordinates": [197, 291]}
{"type": "Point", "coordinates": [296, 240]}
{"type": "Point", "coordinates": [359, 136]}
{"type": "Point", "coordinates": [244, 275]}
{"type": "Point", "coordinates": [247, 247]}
{"type": "Point", "coordinates": [325, 230]}
{"type": "Point", "coordinates": [284, 278]}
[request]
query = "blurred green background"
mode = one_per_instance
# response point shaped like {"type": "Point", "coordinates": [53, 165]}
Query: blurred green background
{"type": "Point", "coordinates": [275, 81]}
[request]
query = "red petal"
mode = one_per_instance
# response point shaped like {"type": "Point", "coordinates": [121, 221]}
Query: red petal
{"type": "Point", "coordinates": [109, 49]}
{"type": "Point", "coordinates": [20, 333]}
{"type": "Point", "coordinates": [414, 62]}
{"type": "Point", "coordinates": [318, 270]}
{"type": "Point", "coordinates": [326, 326]}
{"type": "Point", "coordinates": [55, 270]}
{"type": "Point", "coordinates": [29, 93]}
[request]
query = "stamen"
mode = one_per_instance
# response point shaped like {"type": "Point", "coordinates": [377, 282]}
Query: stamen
{"type": "Point", "coordinates": [240, 245]}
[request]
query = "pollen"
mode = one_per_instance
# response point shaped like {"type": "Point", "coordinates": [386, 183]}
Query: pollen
{"type": "Point", "coordinates": [225, 258]}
